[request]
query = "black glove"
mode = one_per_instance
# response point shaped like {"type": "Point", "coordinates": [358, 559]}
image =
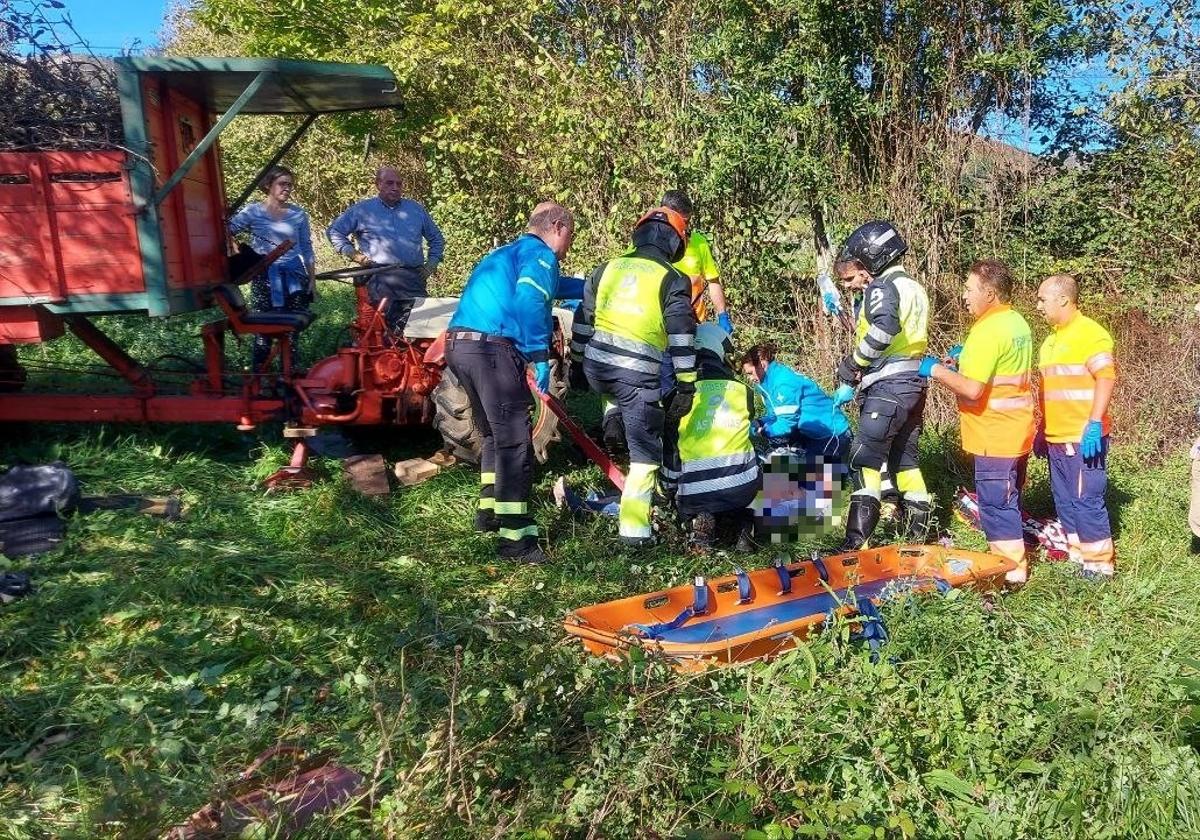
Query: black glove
{"type": "Point", "coordinates": [576, 381]}
{"type": "Point", "coordinates": [848, 372]}
{"type": "Point", "coordinates": [679, 403]}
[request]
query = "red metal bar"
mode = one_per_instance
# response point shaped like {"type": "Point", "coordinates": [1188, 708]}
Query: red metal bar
{"type": "Point", "coordinates": [106, 349]}
{"type": "Point", "coordinates": [132, 409]}
{"type": "Point", "coordinates": [589, 447]}
{"type": "Point", "coordinates": [213, 335]}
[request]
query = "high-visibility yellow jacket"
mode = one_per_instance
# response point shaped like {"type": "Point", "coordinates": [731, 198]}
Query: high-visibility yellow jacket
{"type": "Point", "coordinates": [636, 312]}
{"type": "Point", "coordinates": [1072, 358]}
{"type": "Point", "coordinates": [892, 331]}
{"type": "Point", "coordinates": [998, 352]}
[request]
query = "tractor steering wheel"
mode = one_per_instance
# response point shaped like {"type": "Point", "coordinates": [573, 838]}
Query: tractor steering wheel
{"type": "Point", "coordinates": [360, 273]}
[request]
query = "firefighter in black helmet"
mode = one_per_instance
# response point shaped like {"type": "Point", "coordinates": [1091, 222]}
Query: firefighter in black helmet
{"type": "Point", "coordinates": [883, 368]}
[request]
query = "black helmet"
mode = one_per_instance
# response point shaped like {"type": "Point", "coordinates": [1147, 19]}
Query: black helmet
{"type": "Point", "coordinates": [876, 245]}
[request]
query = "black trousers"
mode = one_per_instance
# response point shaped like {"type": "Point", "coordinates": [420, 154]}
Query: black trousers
{"type": "Point", "coordinates": [260, 301]}
{"type": "Point", "coordinates": [493, 375]}
{"type": "Point", "coordinates": [889, 422]}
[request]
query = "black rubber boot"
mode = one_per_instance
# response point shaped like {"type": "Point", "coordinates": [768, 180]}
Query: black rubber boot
{"type": "Point", "coordinates": [1195, 545]}
{"type": "Point", "coordinates": [919, 516]}
{"type": "Point", "coordinates": [861, 520]}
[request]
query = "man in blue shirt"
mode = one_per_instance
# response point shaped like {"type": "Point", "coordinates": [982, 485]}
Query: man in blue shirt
{"type": "Point", "coordinates": [797, 411]}
{"type": "Point", "coordinates": [390, 229]}
{"type": "Point", "coordinates": [503, 323]}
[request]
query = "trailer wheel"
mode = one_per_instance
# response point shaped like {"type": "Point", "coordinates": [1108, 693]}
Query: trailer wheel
{"type": "Point", "coordinates": [455, 422]}
{"type": "Point", "coordinates": [12, 373]}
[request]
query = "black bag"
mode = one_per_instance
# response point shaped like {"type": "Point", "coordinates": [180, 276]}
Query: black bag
{"type": "Point", "coordinates": [39, 490]}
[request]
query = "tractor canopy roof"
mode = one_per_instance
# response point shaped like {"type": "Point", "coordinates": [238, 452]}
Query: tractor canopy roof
{"type": "Point", "coordinates": [283, 86]}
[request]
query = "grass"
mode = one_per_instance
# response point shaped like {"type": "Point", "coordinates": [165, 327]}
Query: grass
{"type": "Point", "coordinates": [157, 658]}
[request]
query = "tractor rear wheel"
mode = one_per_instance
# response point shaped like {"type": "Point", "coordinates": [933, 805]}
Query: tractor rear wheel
{"type": "Point", "coordinates": [455, 421]}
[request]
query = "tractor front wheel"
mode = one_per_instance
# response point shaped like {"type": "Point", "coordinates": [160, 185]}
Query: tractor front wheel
{"type": "Point", "coordinates": [455, 421]}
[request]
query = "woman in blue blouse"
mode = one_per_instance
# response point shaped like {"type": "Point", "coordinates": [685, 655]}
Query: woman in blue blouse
{"type": "Point", "coordinates": [288, 284]}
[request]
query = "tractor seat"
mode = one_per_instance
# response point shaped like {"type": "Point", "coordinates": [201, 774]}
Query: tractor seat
{"type": "Point", "coordinates": [229, 298]}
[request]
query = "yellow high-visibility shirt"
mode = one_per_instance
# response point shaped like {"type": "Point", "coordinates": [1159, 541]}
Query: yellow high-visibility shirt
{"type": "Point", "coordinates": [999, 353]}
{"type": "Point", "coordinates": [1072, 358]}
{"type": "Point", "coordinates": [698, 264]}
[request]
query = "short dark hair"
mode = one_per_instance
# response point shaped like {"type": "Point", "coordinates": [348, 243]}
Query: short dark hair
{"type": "Point", "coordinates": [272, 175]}
{"type": "Point", "coordinates": [759, 354]}
{"type": "Point", "coordinates": [996, 275]}
{"type": "Point", "coordinates": [678, 201]}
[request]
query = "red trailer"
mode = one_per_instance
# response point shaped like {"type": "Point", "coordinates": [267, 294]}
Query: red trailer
{"type": "Point", "coordinates": [142, 229]}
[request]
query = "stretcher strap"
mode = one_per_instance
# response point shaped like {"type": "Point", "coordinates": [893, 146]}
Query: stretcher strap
{"type": "Point", "coordinates": [699, 606]}
{"type": "Point", "coordinates": [819, 565]}
{"type": "Point", "coordinates": [743, 582]}
{"type": "Point", "coordinates": [785, 577]}
{"type": "Point", "coordinates": [872, 630]}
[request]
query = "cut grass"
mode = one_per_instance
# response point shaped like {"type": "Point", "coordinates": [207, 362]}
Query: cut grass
{"type": "Point", "coordinates": [157, 658]}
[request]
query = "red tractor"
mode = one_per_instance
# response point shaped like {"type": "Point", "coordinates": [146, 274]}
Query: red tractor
{"type": "Point", "coordinates": [142, 229]}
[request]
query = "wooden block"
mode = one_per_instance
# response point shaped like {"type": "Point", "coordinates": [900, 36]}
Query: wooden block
{"type": "Point", "coordinates": [367, 474]}
{"type": "Point", "coordinates": [443, 458]}
{"type": "Point", "coordinates": [416, 470]}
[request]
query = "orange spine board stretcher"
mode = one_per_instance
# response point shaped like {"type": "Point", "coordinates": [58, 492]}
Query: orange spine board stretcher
{"type": "Point", "coordinates": [736, 628]}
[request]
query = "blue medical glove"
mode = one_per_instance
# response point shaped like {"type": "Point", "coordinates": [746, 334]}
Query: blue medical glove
{"type": "Point", "coordinates": [831, 303]}
{"type": "Point", "coordinates": [1089, 445]}
{"type": "Point", "coordinates": [927, 366]}
{"type": "Point", "coordinates": [843, 395]}
{"type": "Point", "coordinates": [541, 374]}
{"type": "Point", "coordinates": [954, 352]}
{"type": "Point", "coordinates": [724, 323]}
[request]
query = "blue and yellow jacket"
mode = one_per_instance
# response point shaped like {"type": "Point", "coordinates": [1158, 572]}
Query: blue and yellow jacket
{"type": "Point", "coordinates": [796, 404]}
{"type": "Point", "coordinates": [510, 294]}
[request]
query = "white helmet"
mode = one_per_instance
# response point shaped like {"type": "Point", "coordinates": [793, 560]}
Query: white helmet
{"type": "Point", "coordinates": [715, 340]}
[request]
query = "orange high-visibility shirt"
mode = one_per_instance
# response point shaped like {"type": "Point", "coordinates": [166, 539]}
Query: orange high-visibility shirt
{"type": "Point", "coordinates": [1072, 358]}
{"type": "Point", "coordinates": [998, 352]}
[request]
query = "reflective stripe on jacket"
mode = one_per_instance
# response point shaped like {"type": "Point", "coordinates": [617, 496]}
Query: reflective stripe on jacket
{"type": "Point", "coordinates": [1072, 358]}
{"type": "Point", "coordinates": [636, 313]}
{"type": "Point", "coordinates": [892, 330]}
{"type": "Point", "coordinates": [715, 452]}
{"type": "Point", "coordinates": [999, 353]}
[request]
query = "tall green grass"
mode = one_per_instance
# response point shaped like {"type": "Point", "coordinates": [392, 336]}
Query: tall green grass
{"type": "Point", "coordinates": [157, 658]}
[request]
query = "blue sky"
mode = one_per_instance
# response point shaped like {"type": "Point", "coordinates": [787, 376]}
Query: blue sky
{"type": "Point", "coordinates": [111, 26]}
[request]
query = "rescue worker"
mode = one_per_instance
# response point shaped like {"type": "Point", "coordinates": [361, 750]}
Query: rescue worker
{"type": "Point", "coordinates": [1078, 378]}
{"type": "Point", "coordinates": [698, 264]}
{"type": "Point", "coordinates": [712, 467]}
{"type": "Point", "coordinates": [890, 341]}
{"type": "Point", "coordinates": [502, 324]}
{"type": "Point", "coordinates": [993, 383]}
{"type": "Point", "coordinates": [389, 229]}
{"type": "Point", "coordinates": [636, 317]}
{"type": "Point", "coordinates": [797, 412]}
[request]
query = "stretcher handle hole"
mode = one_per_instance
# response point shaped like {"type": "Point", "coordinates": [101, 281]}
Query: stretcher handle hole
{"type": "Point", "coordinates": [906, 552]}
{"type": "Point", "coordinates": [13, 178]}
{"type": "Point", "coordinates": [853, 561]}
{"type": "Point", "coordinates": [655, 601]}
{"type": "Point", "coordinates": [84, 177]}
{"type": "Point", "coordinates": [728, 586]}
